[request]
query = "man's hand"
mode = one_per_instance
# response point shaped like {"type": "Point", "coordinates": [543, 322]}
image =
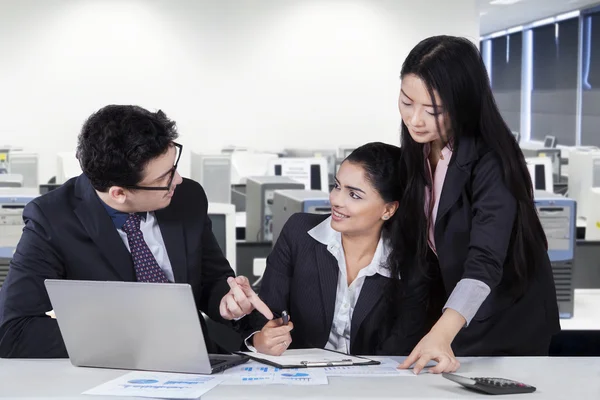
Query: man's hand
{"type": "Point", "coordinates": [241, 300]}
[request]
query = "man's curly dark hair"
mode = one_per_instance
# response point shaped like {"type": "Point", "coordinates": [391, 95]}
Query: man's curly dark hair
{"type": "Point", "coordinates": [117, 142]}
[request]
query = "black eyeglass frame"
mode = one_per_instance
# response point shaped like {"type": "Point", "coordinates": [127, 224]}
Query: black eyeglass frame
{"type": "Point", "coordinates": [170, 182]}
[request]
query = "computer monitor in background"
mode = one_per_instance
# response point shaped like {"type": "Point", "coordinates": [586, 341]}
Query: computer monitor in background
{"type": "Point", "coordinates": [584, 174]}
{"type": "Point", "coordinates": [67, 166]}
{"type": "Point", "coordinates": [248, 163]}
{"type": "Point", "coordinates": [592, 229]}
{"type": "Point", "coordinates": [540, 169]}
{"type": "Point", "coordinates": [213, 172]}
{"type": "Point", "coordinates": [550, 142]}
{"type": "Point", "coordinates": [331, 155]}
{"type": "Point", "coordinates": [222, 217]}
{"type": "Point", "coordinates": [555, 156]}
{"type": "Point", "coordinates": [312, 172]}
{"type": "Point", "coordinates": [25, 164]}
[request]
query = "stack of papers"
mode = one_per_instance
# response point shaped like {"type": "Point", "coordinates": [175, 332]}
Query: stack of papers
{"type": "Point", "coordinates": [188, 386]}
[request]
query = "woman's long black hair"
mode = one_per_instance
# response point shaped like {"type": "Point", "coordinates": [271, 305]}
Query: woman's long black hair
{"type": "Point", "coordinates": [381, 163]}
{"type": "Point", "coordinates": [453, 67]}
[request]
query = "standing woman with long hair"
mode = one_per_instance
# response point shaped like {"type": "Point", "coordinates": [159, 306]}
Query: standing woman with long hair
{"type": "Point", "coordinates": [469, 202]}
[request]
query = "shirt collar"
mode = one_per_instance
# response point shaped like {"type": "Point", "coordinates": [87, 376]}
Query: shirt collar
{"type": "Point", "coordinates": [119, 217]}
{"type": "Point", "coordinates": [446, 152]}
{"type": "Point", "coordinates": [325, 234]}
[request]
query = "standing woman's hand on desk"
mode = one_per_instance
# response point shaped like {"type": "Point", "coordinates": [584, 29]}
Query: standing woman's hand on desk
{"type": "Point", "coordinates": [274, 338]}
{"type": "Point", "coordinates": [242, 300]}
{"type": "Point", "coordinates": [436, 345]}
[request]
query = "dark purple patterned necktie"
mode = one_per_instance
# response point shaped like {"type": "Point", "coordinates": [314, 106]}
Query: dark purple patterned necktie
{"type": "Point", "coordinates": [146, 267]}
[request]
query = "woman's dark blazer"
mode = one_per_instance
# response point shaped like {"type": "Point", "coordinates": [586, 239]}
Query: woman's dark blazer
{"type": "Point", "coordinates": [474, 231]}
{"type": "Point", "coordinates": [301, 277]}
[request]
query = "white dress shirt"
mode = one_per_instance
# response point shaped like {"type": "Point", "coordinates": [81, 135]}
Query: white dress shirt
{"type": "Point", "coordinates": [347, 295]}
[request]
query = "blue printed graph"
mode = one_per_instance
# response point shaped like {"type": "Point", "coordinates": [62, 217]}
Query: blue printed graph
{"type": "Point", "coordinates": [143, 381]}
{"type": "Point", "coordinates": [261, 369]}
{"type": "Point", "coordinates": [296, 375]}
{"type": "Point", "coordinates": [254, 378]}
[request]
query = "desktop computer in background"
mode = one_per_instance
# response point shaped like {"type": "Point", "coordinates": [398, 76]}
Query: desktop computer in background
{"type": "Point", "coordinates": [67, 166]}
{"type": "Point", "coordinates": [249, 163]}
{"type": "Point", "coordinates": [12, 203]}
{"type": "Point", "coordinates": [555, 156]}
{"type": "Point", "coordinates": [260, 192]}
{"type": "Point", "coordinates": [213, 172]}
{"type": "Point", "coordinates": [558, 217]}
{"type": "Point", "coordinates": [540, 169]}
{"type": "Point", "coordinates": [312, 172]}
{"type": "Point", "coordinates": [26, 165]}
{"type": "Point", "coordinates": [222, 217]}
{"type": "Point", "coordinates": [289, 202]}
{"type": "Point", "coordinates": [592, 228]}
{"type": "Point", "coordinates": [584, 174]}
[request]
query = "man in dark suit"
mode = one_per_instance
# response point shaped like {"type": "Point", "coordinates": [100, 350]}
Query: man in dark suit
{"type": "Point", "coordinates": [129, 217]}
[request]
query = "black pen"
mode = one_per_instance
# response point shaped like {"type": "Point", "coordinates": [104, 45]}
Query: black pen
{"type": "Point", "coordinates": [285, 317]}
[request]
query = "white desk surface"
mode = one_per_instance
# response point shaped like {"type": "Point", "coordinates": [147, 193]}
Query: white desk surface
{"type": "Point", "coordinates": [586, 314]}
{"type": "Point", "coordinates": [555, 378]}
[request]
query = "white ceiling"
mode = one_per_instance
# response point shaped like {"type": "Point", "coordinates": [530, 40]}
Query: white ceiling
{"type": "Point", "coordinates": [499, 17]}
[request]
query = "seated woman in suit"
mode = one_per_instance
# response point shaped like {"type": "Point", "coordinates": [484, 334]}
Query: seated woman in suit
{"type": "Point", "coordinates": [338, 275]}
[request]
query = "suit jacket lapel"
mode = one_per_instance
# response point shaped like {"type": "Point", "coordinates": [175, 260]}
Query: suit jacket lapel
{"type": "Point", "coordinates": [370, 295]}
{"type": "Point", "coordinates": [454, 183]}
{"type": "Point", "coordinates": [171, 229]}
{"type": "Point", "coordinates": [328, 280]}
{"type": "Point", "coordinates": [457, 176]}
{"type": "Point", "coordinates": [99, 226]}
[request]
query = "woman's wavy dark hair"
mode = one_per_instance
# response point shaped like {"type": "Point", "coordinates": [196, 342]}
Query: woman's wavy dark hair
{"type": "Point", "coordinates": [381, 164]}
{"type": "Point", "coordinates": [453, 67]}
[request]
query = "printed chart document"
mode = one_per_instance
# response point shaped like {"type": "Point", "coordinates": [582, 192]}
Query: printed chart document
{"type": "Point", "coordinates": [158, 384]}
{"type": "Point", "coordinates": [388, 367]}
{"type": "Point", "coordinates": [254, 373]}
{"type": "Point", "coordinates": [303, 358]}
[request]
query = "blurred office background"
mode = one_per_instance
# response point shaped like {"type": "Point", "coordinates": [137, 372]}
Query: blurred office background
{"type": "Point", "coordinates": [270, 95]}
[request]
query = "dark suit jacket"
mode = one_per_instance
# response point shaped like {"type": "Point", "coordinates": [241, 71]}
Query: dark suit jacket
{"type": "Point", "coordinates": [301, 277]}
{"type": "Point", "coordinates": [69, 235]}
{"type": "Point", "coordinates": [473, 234]}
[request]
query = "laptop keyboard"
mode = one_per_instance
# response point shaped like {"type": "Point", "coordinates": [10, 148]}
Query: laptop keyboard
{"type": "Point", "coordinates": [215, 361]}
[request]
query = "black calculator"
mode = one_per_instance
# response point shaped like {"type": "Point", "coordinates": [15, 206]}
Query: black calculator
{"type": "Point", "coordinates": [491, 385]}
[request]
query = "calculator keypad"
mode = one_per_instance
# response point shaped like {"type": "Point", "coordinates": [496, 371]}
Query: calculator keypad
{"type": "Point", "coordinates": [499, 382]}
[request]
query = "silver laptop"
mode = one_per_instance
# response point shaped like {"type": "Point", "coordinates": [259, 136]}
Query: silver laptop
{"type": "Point", "coordinates": [133, 325]}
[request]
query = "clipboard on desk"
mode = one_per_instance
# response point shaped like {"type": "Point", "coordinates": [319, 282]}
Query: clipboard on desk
{"type": "Point", "coordinates": [310, 358]}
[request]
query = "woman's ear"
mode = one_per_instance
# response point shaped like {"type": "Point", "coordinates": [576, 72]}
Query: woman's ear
{"type": "Point", "coordinates": [390, 210]}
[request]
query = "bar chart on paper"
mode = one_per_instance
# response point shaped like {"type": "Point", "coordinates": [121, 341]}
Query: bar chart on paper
{"type": "Point", "coordinates": [388, 367]}
{"type": "Point", "coordinates": [301, 376]}
{"type": "Point", "coordinates": [253, 373]}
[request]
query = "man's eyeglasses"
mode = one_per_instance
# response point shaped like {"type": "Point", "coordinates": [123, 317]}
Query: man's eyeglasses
{"type": "Point", "coordinates": [178, 149]}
